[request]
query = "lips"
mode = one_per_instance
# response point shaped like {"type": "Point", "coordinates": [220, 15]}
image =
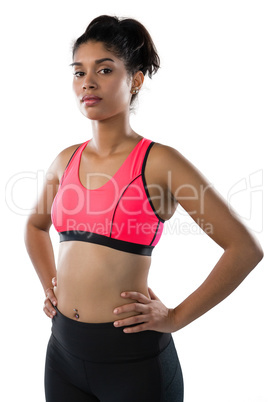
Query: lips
{"type": "Point", "coordinates": [87, 98]}
{"type": "Point", "coordinates": [91, 100]}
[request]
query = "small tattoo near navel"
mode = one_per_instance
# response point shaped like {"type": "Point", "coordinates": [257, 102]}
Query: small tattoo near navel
{"type": "Point", "coordinates": [76, 313]}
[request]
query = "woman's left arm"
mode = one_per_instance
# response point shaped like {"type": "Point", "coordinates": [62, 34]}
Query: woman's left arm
{"type": "Point", "coordinates": [241, 253]}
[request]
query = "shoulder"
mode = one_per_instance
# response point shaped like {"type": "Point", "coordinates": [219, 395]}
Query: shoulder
{"type": "Point", "coordinates": [164, 158]}
{"type": "Point", "coordinates": [168, 168]}
{"type": "Point", "coordinates": [159, 150]}
{"type": "Point", "coordinates": [60, 162]}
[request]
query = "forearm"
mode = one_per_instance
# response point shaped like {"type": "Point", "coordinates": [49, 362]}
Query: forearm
{"type": "Point", "coordinates": [232, 268]}
{"type": "Point", "coordinates": [40, 250]}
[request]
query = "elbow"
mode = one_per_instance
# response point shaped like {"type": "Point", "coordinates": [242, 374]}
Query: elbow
{"type": "Point", "coordinates": [27, 233]}
{"type": "Point", "coordinates": [27, 227]}
{"type": "Point", "coordinates": [255, 253]}
{"type": "Point", "coordinates": [259, 254]}
{"type": "Point", "coordinates": [249, 251]}
{"type": "Point", "coordinates": [257, 250]}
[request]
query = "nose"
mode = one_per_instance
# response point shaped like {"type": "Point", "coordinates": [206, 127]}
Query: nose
{"type": "Point", "coordinates": [89, 82]}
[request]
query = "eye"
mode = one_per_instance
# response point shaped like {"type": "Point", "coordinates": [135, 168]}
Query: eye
{"type": "Point", "coordinates": [105, 71]}
{"type": "Point", "coordinates": [78, 73]}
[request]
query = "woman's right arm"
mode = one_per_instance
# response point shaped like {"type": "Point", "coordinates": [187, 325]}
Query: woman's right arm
{"type": "Point", "coordinates": [37, 238]}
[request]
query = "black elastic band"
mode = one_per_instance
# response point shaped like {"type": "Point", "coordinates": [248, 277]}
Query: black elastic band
{"type": "Point", "coordinates": [144, 181]}
{"type": "Point", "coordinates": [75, 235]}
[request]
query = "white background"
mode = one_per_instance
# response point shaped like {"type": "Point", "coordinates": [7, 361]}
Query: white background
{"type": "Point", "coordinates": [209, 101]}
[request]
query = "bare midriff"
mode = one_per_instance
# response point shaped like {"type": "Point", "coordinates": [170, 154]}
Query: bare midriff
{"type": "Point", "coordinates": [91, 278]}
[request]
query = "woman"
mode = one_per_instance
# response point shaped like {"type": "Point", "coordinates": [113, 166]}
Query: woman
{"type": "Point", "coordinates": [109, 198]}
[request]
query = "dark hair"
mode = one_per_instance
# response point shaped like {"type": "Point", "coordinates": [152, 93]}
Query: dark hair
{"type": "Point", "coordinates": [128, 39]}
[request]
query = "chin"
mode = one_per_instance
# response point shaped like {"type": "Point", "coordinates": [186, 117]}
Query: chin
{"type": "Point", "coordinates": [96, 115]}
{"type": "Point", "coordinates": [92, 115]}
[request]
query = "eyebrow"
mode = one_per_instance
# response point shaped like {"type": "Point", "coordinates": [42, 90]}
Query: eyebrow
{"type": "Point", "coordinates": [96, 61]}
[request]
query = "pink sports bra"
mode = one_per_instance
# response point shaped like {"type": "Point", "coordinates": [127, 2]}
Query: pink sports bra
{"type": "Point", "coordinates": [118, 214]}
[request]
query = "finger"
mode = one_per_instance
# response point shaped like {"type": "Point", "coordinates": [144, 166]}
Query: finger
{"type": "Point", "coordinates": [51, 296]}
{"type": "Point", "coordinates": [49, 306]}
{"type": "Point", "coordinates": [135, 329]}
{"type": "Point", "coordinates": [48, 309]}
{"type": "Point", "coordinates": [136, 319]}
{"type": "Point", "coordinates": [131, 307]}
{"type": "Point", "coordinates": [141, 298]}
{"type": "Point", "coordinates": [54, 281]}
{"type": "Point", "coordinates": [153, 295]}
{"type": "Point", "coordinates": [48, 313]}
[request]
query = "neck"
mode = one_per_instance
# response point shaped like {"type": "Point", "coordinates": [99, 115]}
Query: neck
{"type": "Point", "coordinates": [109, 134]}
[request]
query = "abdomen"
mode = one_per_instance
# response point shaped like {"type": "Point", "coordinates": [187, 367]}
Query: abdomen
{"type": "Point", "coordinates": [91, 278]}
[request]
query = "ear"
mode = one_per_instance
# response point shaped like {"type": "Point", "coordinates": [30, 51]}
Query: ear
{"type": "Point", "coordinates": [137, 80]}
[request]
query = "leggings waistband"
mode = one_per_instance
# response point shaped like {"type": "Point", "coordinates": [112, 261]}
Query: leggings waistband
{"type": "Point", "coordinates": [102, 342]}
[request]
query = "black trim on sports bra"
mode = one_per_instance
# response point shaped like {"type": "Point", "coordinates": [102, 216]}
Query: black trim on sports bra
{"type": "Point", "coordinates": [96, 238]}
{"type": "Point", "coordinates": [72, 156]}
{"type": "Point", "coordinates": [62, 177]}
{"type": "Point", "coordinates": [119, 201]}
{"type": "Point", "coordinates": [144, 181]}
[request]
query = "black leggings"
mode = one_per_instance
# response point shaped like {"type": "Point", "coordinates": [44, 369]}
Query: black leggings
{"type": "Point", "coordinates": [98, 362]}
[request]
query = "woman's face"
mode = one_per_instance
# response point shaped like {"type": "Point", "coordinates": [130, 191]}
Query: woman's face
{"type": "Point", "coordinates": [101, 83]}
